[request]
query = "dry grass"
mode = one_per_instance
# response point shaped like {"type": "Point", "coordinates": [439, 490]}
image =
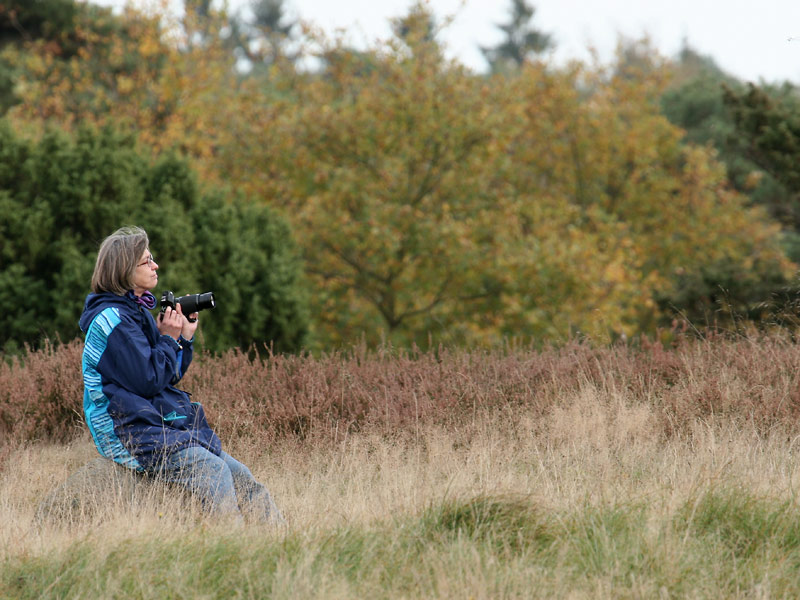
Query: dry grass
{"type": "Point", "coordinates": [596, 451]}
{"type": "Point", "coordinates": [580, 473]}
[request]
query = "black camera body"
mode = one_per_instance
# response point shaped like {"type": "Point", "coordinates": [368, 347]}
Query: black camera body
{"type": "Point", "coordinates": [190, 303]}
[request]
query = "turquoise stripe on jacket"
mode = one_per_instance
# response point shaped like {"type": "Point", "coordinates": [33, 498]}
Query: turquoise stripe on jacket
{"type": "Point", "coordinates": [95, 403]}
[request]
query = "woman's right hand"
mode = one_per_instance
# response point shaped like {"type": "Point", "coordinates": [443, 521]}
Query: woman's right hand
{"type": "Point", "coordinates": [170, 323]}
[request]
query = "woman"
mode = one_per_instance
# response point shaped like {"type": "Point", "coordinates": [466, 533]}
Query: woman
{"type": "Point", "coordinates": [131, 363]}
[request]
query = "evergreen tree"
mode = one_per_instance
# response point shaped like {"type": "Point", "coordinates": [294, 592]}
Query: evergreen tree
{"type": "Point", "coordinates": [61, 196]}
{"type": "Point", "coordinates": [767, 126]}
{"type": "Point", "coordinates": [521, 43]}
{"type": "Point", "coordinates": [769, 120]}
{"type": "Point", "coordinates": [27, 20]}
{"type": "Point", "coordinates": [264, 38]}
{"type": "Point", "coordinates": [697, 101]}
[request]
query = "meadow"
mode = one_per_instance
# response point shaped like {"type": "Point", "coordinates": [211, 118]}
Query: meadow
{"type": "Point", "coordinates": [574, 472]}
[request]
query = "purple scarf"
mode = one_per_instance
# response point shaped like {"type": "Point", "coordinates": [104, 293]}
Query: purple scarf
{"type": "Point", "coordinates": [147, 299]}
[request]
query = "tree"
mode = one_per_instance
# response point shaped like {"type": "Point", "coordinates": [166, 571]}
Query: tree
{"type": "Point", "coordinates": [263, 39]}
{"type": "Point", "coordinates": [254, 268]}
{"type": "Point", "coordinates": [521, 43]}
{"type": "Point", "coordinates": [766, 123]}
{"type": "Point", "coordinates": [24, 22]}
{"type": "Point", "coordinates": [641, 208]}
{"type": "Point", "coordinates": [430, 204]}
{"type": "Point", "coordinates": [385, 190]}
{"type": "Point", "coordinates": [62, 196]}
{"type": "Point", "coordinates": [695, 100]}
{"type": "Point", "coordinates": [173, 84]}
{"type": "Point", "coordinates": [436, 205]}
{"type": "Point", "coordinates": [770, 122]}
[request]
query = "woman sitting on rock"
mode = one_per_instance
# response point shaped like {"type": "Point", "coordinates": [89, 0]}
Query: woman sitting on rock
{"type": "Point", "coordinates": [131, 364]}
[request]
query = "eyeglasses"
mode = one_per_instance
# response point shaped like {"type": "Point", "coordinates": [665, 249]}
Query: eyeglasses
{"type": "Point", "coordinates": [149, 262]}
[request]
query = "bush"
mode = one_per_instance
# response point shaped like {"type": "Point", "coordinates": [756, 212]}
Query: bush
{"type": "Point", "coordinates": [41, 395]}
{"type": "Point", "coordinates": [746, 382]}
{"type": "Point", "coordinates": [62, 196]}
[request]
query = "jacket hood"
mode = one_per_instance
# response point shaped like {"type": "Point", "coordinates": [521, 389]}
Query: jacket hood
{"type": "Point", "coordinates": [95, 303]}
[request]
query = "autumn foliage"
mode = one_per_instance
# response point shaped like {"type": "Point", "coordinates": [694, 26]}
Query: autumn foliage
{"type": "Point", "coordinates": [431, 204]}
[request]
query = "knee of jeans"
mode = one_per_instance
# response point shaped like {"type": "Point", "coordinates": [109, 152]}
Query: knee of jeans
{"type": "Point", "coordinates": [217, 470]}
{"type": "Point", "coordinates": [208, 469]}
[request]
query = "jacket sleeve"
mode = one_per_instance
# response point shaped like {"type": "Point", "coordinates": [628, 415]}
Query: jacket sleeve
{"type": "Point", "coordinates": [130, 361]}
{"type": "Point", "coordinates": [184, 357]}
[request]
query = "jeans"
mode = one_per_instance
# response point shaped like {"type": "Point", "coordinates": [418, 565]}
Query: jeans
{"type": "Point", "coordinates": [223, 485]}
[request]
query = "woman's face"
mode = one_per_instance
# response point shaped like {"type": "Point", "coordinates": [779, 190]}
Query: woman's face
{"type": "Point", "coordinates": [145, 277]}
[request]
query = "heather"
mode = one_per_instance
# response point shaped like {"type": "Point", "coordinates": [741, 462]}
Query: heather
{"type": "Point", "coordinates": [746, 381]}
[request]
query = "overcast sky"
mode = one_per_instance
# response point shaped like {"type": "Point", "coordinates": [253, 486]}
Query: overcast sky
{"type": "Point", "coordinates": [753, 40]}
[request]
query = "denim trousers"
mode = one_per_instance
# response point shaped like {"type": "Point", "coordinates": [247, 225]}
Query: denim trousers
{"type": "Point", "coordinates": [223, 485]}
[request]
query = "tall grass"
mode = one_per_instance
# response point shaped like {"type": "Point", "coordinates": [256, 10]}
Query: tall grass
{"type": "Point", "coordinates": [576, 473]}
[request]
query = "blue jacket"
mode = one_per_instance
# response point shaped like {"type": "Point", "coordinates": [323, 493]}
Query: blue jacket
{"type": "Point", "coordinates": [135, 414]}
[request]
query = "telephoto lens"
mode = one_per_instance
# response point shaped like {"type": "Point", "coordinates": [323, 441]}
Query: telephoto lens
{"type": "Point", "coordinates": [191, 303]}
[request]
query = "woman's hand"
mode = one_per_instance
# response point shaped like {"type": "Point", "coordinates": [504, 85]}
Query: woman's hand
{"type": "Point", "coordinates": [170, 322]}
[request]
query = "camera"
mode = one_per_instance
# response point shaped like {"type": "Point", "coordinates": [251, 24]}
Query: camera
{"type": "Point", "coordinates": [190, 303]}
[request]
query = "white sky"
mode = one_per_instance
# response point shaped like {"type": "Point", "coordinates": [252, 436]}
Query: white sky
{"type": "Point", "coordinates": [753, 40]}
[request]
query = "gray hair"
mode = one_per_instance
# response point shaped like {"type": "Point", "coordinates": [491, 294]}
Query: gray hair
{"type": "Point", "coordinates": [117, 259]}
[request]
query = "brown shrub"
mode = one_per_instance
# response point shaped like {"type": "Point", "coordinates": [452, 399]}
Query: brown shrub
{"type": "Point", "coordinates": [746, 381]}
{"type": "Point", "coordinates": [41, 395]}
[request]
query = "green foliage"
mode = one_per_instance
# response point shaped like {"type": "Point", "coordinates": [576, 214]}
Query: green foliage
{"type": "Point", "coordinates": [25, 20]}
{"type": "Point", "coordinates": [55, 193]}
{"type": "Point", "coordinates": [253, 265]}
{"type": "Point", "coordinates": [694, 100]}
{"type": "Point", "coordinates": [769, 120]}
{"type": "Point", "coordinates": [722, 294]}
{"type": "Point", "coordinates": [63, 196]}
{"type": "Point", "coordinates": [766, 122]}
{"type": "Point", "coordinates": [701, 100]}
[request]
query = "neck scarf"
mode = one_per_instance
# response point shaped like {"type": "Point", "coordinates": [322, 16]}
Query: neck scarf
{"type": "Point", "coordinates": [147, 299]}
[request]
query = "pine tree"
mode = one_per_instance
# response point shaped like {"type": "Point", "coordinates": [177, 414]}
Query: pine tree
{"type": "Point", "coordinates": [60, 196]}
{"type": "Point", "coordinates": [522, 41]}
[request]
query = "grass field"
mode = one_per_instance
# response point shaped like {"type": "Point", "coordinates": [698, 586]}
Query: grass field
{"type": "Point", "coordinates": [587, 500]}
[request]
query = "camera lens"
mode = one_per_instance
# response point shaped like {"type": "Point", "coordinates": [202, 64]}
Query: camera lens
{"type": "Point", "coordinates": [205, 301]}
{"type": "Point", "coordinates": [193, 303]}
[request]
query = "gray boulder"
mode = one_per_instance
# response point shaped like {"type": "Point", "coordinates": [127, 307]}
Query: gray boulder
{"type": "Point", "coordinates": [100, 486]}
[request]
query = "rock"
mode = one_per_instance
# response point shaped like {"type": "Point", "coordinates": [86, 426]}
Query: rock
{"type": "Point", "coordinates": [102, 488]}
{"type": "Point", "coordinates": [99, 485]}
